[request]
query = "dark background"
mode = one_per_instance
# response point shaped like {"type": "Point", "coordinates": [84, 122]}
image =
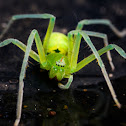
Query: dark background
{"type": "Point", "coordinates": [68, 13]}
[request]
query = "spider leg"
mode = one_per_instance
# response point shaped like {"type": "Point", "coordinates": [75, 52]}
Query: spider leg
{"type": "Point", "coordinates": [72, 57]}
{"type": "Point", "coordinates": [92, 57]}
{"type": "Point", "coordinates": [39, 58]}
{"type": "Point", "coordinates": [67, 85]}
{"type": "Point", "coordinates": [70, 46]}
{"type": "Point", "coordinates": [100, 62]}
{"type": "Point", "coordinates": [74, 50]}
{"type": "Point", "coordinates": [41, 16]}
{"type": "Point", "coordinates": [28, 52]}
{"type": "Point", "coordinates": [103, 22]}
{"type": "Point", "coordinates": [22, 75]}
{"type": "Point", "coordinates": [34, 35]}
{"type": "Point", "coordinates": [105, 38]}
{"type": "Point", "coordinates": [22, 46]}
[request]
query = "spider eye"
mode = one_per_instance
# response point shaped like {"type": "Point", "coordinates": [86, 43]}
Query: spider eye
{"type": "Point", "coordinates": [60, 65]}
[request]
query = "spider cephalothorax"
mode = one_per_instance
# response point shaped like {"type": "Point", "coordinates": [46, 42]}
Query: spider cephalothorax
{"type": "Point", "coordinates": [59, 66]}
{"type": "Point", "coordinates": [59, 53]}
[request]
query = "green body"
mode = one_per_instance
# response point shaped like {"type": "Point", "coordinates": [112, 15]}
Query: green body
{"type": "Point", "coordinates": [56, 56]}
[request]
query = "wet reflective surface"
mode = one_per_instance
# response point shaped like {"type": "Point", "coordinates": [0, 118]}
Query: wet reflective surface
{"type": "Point", "coordinates": [86, 105]}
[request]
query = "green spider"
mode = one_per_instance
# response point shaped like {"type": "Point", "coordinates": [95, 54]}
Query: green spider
{"type": "Point", "coordinates": [59, 53]}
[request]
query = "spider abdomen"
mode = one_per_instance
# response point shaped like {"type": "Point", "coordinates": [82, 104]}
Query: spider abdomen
{"type": "Point", "coordinates": [58, 43]}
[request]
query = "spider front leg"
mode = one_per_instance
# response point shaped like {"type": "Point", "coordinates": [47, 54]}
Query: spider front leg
{"type": "Point", "coordinates": [92, 57]}
{"type": "Point", "coordinates": [73, 50]}
{"type": "Point", "coordinates": [88, 41]}
{"type": "Point", "coordinates": [22, 75]}
{"type": "Point", "coordinates": [41, 51]}
{"type": "Point", "coordinates": [28, 52]}
{"type": "Point", "coordinates": [33, 16]}
{"type": "Point", "coordinates": [34, 35]}
{"type": "Point", "coordinates": [105, 38]}
{"type": "Point", "coordinates": [103, 22]}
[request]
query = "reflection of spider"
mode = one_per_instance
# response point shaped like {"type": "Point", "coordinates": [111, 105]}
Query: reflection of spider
{"type": "Point", "coordinates": [59, 53]}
